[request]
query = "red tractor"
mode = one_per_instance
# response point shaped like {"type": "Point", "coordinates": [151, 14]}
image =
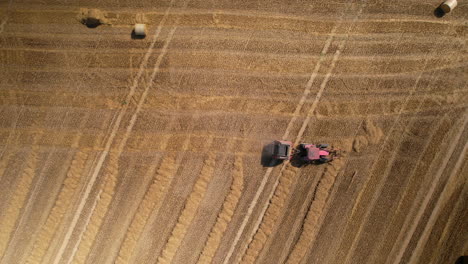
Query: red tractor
{"type": "Point", "coordinates": [315, 153]}
{"type": "Point", "coordinates": [304, 153]}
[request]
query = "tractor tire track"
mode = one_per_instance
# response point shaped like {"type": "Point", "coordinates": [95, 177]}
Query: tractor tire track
{"type": "Point", "coordinates": [11, 131]}
{"type": "Point", "coordinates": [282, 192]}
{"type": "Point", "coordinates": [4, 161]}
{"type": "Point", "coordinates": [408, 235]}
{"type": "Point", "coordinates": [263, 235]}
{"type": "Point", "coordinates": [432, 136]}
{"type": "Point", "coordinates": [452, 181]}
{"type": "Point", "coordinates": [381, 183]}
{"type": "Point", "coordinates": [285, 135]}
{"type": "Point", "coordinates": [189, 211]}
{"type": "Point", "coordinates": [151, 203]}
{"type": "Point", "coordinates": [7, 16]}
{"type": "Point", "coordinates": [225, 216]}
{"type": "Point", "coordinates": [99, 211]}
{"type": "Point", "coordinates": [401, 200]}
{"type": "Point", "coordinates": [110, 180]}
{"type": "Point", "coordinates": [366, 112]}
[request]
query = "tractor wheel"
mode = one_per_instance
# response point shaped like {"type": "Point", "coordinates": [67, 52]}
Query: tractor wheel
{"type": "Point", "coordinates": [324, 160]}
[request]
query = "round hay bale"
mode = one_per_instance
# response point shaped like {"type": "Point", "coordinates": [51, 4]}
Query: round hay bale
{"type": "Point", "coordinates": [448, 5]}
{"type": "Point", "coordinates": [140, 30]}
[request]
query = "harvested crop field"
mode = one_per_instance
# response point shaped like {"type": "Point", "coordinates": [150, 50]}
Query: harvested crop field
{"type": "Point", "coordinates": [115, 149]}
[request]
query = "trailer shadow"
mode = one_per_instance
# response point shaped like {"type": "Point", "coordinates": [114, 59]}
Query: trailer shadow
{"type": "Point", "coordinates": [135, 36]}
{"type": "Point", "coordinates": [438, 12]}
{"type": "Point", "coordinates": [267, 156]}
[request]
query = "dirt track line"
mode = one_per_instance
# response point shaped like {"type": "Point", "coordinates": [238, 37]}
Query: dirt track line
{"type": "Point", "coordinates": [3, 23]}
{"type": "Point", "coordinates": [225, 216]}
{"type": "Point", "coordinates": [409, 215]}
{"type": "Point", "coordinates": [190, 209]}
{"type": "Point", "coordinates": [151, 203]}
{"type": "Point", "coordinates": [263, 227]}
{"type": "Point", "coordinates": [447, 234]}
{"type": "Point", "coordinates": [374, 252]}
{"type": "Point", "coordinates": [319, 94]}
{"type": "Point", "coordinates": [299, 136]}
{"type": "Point", "coordinates": [109, 186]}
{"type": "Point", "coordinates": [314, 217]}
{"type": "Point", "coordinates": [310, 112]}
{"type": "Point", "coordinates": [307, 120]}
{"type": "Point", "coordinates": [434, 129]}
{"type": "Point", "coordinates": [104, 197]}
{"type": "Point", "coordinates": [309, 84]}
{"type": "Point", "coordinates": [446, 192]}
{"type": "Point", "coordinates": [381, 182]}
{"type": "Point", "coordinates": [436, 179]}
{"type": "Point", "coordinates": [109, 142]}
{"type": "Point", "coordinates": [269, 170]}
{"type": "Point", "coordinates": [4, 161]}
{"type": "Point", "coordinates": [11, 132]}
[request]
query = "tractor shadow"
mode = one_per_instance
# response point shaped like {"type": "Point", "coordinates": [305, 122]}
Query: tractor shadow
{"type": "Point", "coordinates": [297, 162]}
{"type": "Point", "coordinates": [267, 156]}
{"type": "Point", "coordinates": [462, 260]}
